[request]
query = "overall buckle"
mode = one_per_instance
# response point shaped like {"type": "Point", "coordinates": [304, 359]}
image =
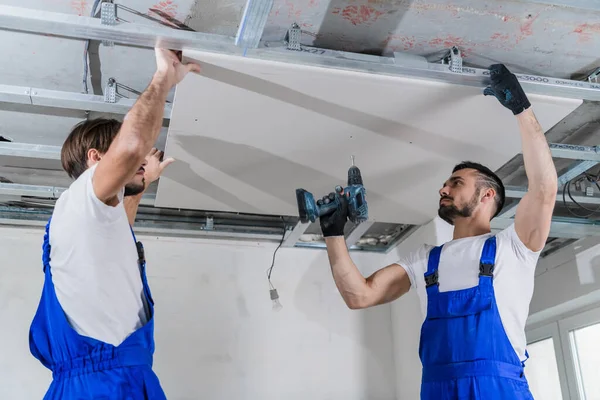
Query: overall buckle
{"type": "Point", "coordinates": [486, 269]}
{"type": "Point", "coordinates": [431, 279]}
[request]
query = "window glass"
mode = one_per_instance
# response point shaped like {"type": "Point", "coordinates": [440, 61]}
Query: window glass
{"type": "Point", "coordinates": [585, 343]}
{"type": "Point", "coordinates": [541, 370]}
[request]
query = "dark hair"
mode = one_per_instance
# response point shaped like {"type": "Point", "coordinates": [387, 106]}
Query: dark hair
{"type": "Point", "coordinates": [90, 134]}
{"type": "Point", "coordinates": [486, 179]}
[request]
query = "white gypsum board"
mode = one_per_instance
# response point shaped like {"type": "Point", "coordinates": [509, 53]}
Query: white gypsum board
{"type": "Point", "coordinates": [246, 133]}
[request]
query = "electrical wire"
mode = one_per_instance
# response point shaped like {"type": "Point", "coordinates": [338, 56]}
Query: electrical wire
{"type": "Point", "coordinates": [567, 191]}
{"type": "Point", "coordinates": [270, 270]}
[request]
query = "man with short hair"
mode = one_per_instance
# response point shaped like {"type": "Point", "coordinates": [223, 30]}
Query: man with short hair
{"type": "Point", "coordinates": [476, 289]}
{"type": "Point", "coordinates": [94, 325]}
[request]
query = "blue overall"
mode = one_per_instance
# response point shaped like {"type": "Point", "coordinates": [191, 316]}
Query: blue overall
{"type": "Point", "coordinates": [464, 348]}
{"type": "Point", "coordinates": [86, 368]}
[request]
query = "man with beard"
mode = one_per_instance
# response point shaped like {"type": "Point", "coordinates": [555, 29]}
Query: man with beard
{"type": "Point", "coordinates": [94, 326]}
{"type": "Point", "coordinates": [474, 290]}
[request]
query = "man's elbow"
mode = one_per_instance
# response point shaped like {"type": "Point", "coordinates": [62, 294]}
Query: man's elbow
{"type": "Point", "coordinates": [132, 149]}
{"type": "Point", "coordinates": [356, 303]}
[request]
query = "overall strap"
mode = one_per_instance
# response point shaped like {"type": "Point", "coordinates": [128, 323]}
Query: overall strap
{"type": "Point", "coordinates": [433, 262]}
{"type": "Point", "coordinates": [46, 247]}
{"type": "Point", "coordinates": [488, 258]}
{"type": "Point", "coordinates": [140, 250]}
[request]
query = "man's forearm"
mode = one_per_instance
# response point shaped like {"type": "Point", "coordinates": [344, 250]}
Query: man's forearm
{"type": "Point", "coordinates": [539, 166]}
{"type": "Point", "coordinates": [144, 121]}
{"type": "Point", "coordinates": [348, 279]}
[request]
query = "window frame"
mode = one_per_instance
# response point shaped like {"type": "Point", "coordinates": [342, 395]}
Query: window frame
{"type": "Point", "coordinates": [565, 327]}
{"type": "Point", "coordinates": [551, 331]}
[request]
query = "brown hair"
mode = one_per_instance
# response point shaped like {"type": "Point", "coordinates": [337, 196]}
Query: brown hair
{"type": "Point", "coordinates": [90, 134]}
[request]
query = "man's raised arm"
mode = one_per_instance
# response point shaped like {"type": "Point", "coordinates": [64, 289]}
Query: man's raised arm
{"type": "Point", "coordinates": [140, 128]}
{"type": "Point", "coordinates": [534, 212]}
{"type": "Point", "coordinates": [383, 286]}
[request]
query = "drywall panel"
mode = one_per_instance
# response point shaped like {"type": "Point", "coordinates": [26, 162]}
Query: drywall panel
{"type": "Point", "coordinates": [247, 133]}
{"type": "Point", "coordinates": [217, 337]}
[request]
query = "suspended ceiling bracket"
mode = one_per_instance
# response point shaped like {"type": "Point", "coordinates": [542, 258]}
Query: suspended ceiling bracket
{"type": "Point", "coordinates": [593, 78]}
{"type": "Point", "coordinates": [110, 92]}
{"type": "Point", "coordinates": [294, 36]}
{"type": "Point", "coordinates": [65, 25]}
{"type": "Point", "coordinates": [108, 16]}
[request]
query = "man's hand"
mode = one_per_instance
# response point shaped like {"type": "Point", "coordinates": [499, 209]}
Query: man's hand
{"type": "Point", "coordinates": [333, 224]}
{"type": "Point", "coordinates": [507, 89]}
{"type": "Point", "coordinates": [169, 67]}
{"type": "Point", "coordinates": [155, 165]}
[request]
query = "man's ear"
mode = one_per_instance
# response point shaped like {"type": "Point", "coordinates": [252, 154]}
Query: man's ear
{"type": "Point", "coordinates": [489, 194]}
{"type": "Point", "coordinates": [93, 156]}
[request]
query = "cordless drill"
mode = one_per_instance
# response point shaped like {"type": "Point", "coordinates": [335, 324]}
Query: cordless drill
{"type": "Point", "coordinates": [309, 210]}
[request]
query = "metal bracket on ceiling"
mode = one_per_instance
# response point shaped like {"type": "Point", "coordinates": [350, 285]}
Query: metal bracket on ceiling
{"type": "Point", "coordinates": [593, 78]}
{"type": "Point", "coordinates": [108, 16]}
{"type": "Point", "coordinates": [110, 92]}
{"type": "Point", "coordinates": [454, 60]}
{"type": "Point", "coordinates": [294, 34]}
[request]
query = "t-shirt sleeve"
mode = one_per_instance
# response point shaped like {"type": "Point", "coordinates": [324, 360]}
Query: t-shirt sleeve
{"type": "Point", "coordinates": [414, 265]}
{"type": "Point", "coordinates": [83, 200]}
{"type": "Point", "coordinates": [521, 251]}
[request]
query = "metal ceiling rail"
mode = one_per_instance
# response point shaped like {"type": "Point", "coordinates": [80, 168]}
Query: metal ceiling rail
{"type": "Point", "coordinates": [149, 230]}
{"type": "Point", "coordinates": [575, 151]}
{"type": "Point", "coordinates": [81, 27]}
{"type": "Point", "coordinates": [573, 228]}
{"type": "Point", "coordinates": [253, 23]}
{"type": "Point", "coordinates": [517, 192]}
{"type": "Point", "coordinates": [67, 100]}
{"type": "Point", "coordinates": [27, 150]}
{"type": "Point", "coordinates": [51, 192]}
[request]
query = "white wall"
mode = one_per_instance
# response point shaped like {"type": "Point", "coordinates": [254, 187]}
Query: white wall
{"type": "Point", "coordinates": [406, 313]}
{"type": "Point", "coordinates": [566, 281]}
{"type": "Point", "coordinates": [217, 337]}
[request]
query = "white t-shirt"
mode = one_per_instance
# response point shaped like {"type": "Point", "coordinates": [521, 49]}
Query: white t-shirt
{"type": "Point", "coordinates": [94, 265]}
{"type": "Point", "coordinates": [459, 269]}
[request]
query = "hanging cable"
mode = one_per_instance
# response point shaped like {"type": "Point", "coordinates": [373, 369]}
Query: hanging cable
{"type": "Point", "coordinates": [270, 270]}
{"type": "Point", "coordinates": [272, 291]}
{"type": "Point", "coordinates": [567, 191]}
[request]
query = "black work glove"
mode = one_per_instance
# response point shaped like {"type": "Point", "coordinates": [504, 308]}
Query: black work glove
{"type": "Point", "coordinates": [333, 224]}
{"type": "Point", "coordinates": [507, 89]}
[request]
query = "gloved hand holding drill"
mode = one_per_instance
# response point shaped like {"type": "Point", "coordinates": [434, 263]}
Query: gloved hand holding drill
{"type": "Point", "coordinates": [507, 89]}
{"type": "Point", "coordinates": [333, 224]}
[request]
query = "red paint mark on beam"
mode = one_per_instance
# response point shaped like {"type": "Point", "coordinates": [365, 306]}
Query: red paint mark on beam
{"type": "Point", "coordinates": [358, 15]}
{"type": "Point", "coordinates": [313, 3]}
{"type": "Point", "coordinates": [168, 7]}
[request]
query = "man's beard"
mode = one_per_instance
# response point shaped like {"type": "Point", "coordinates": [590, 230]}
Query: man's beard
{"type": "Point", "coordinates": [132, 189]}
{"type": "Point", "coordinates": [450, 212]}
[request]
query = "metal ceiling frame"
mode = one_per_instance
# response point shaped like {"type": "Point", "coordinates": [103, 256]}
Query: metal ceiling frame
{"type": "Point", "coordinates": [68, 100]}
{"type": "Point", "coordinates": [81, 27]}
{"type": "Point", "coordinates": [247, 44]}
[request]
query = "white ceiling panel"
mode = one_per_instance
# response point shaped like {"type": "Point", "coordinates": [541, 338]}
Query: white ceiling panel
{"type": "Point", "coordinates": [247, 133]}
